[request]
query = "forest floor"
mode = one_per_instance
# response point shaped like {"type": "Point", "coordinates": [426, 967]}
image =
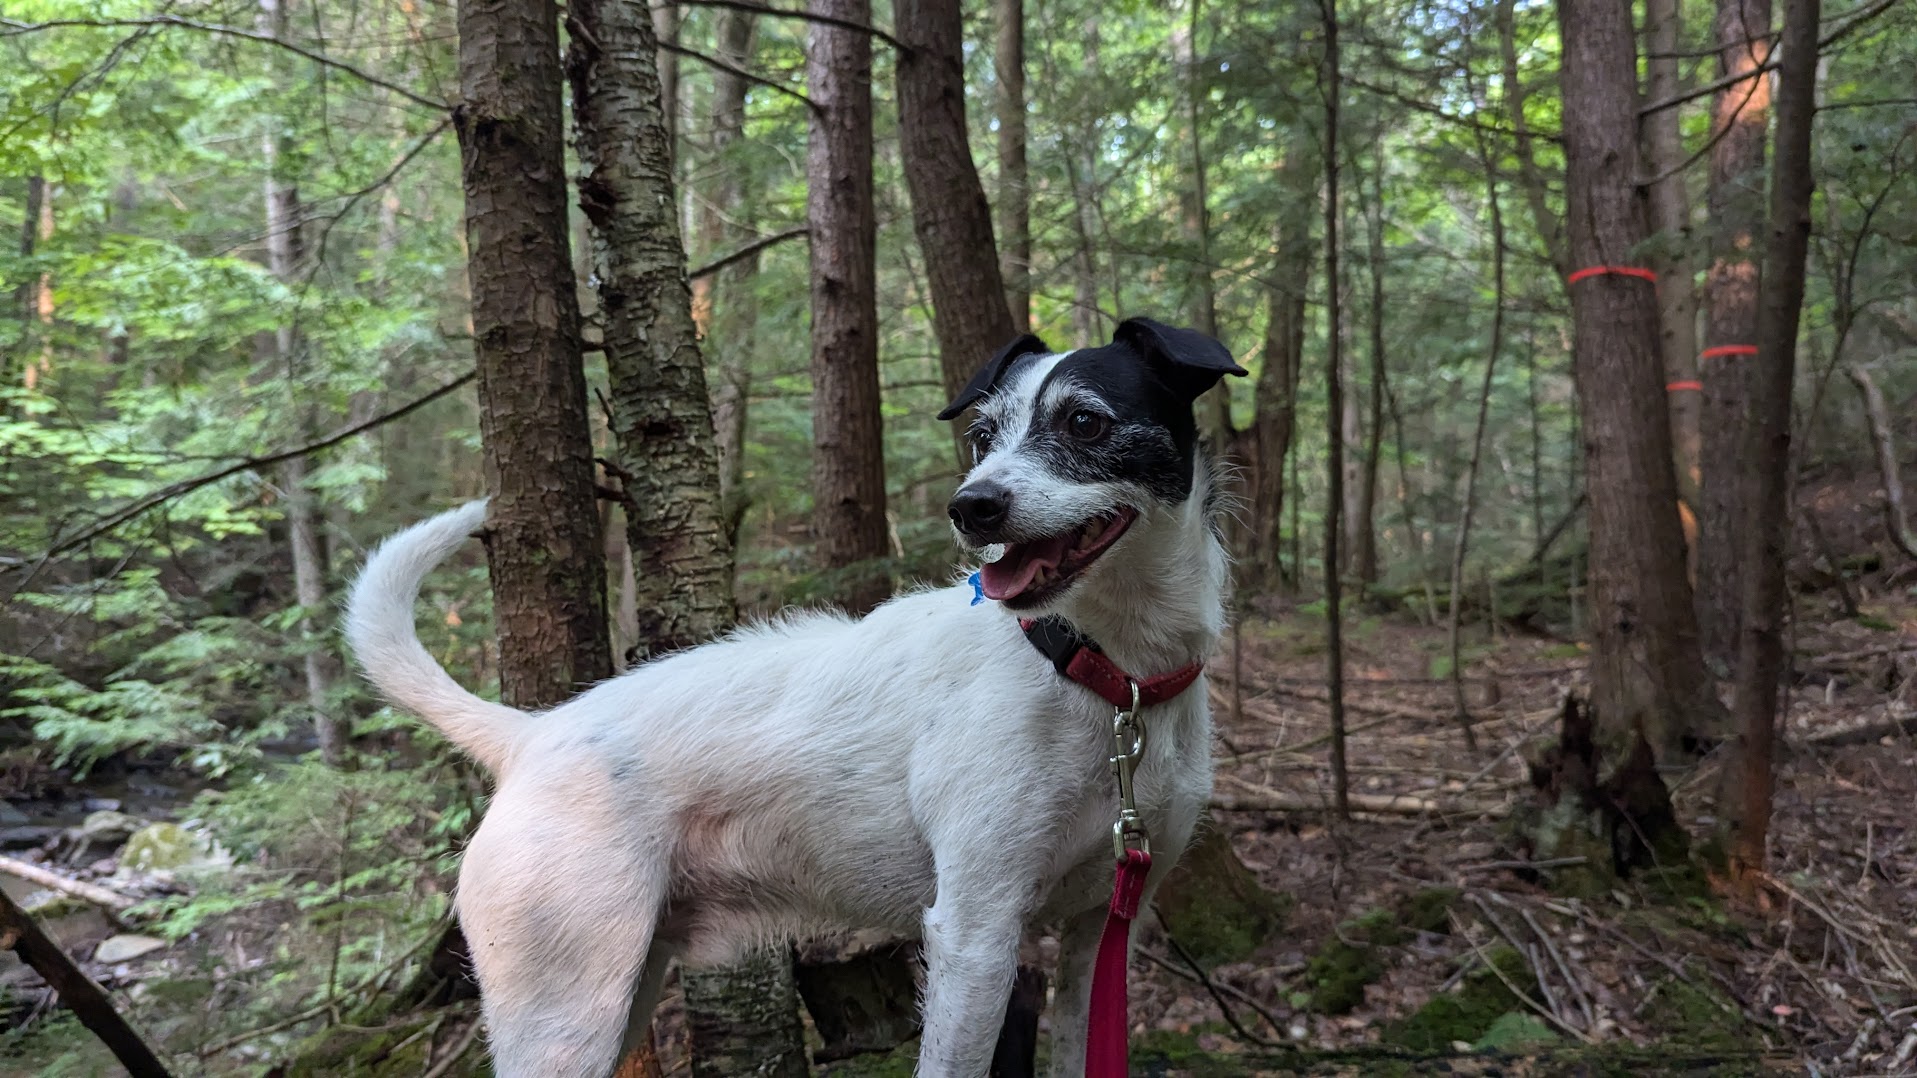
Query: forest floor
{"type": "Point", "coordinates": [1817, 973]}
{"type": "Point", "coordinates": [1420, 940]}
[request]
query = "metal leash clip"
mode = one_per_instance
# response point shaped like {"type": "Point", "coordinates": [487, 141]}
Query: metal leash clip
{"type": "Point", "coordinates": [1128, 748]}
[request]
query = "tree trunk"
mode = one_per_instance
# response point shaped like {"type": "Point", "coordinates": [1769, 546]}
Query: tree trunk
{"type": "Point", "coordinates": [1014, 196]}
{"type": "Point", "coordinates": [1366, 555]}
{"type": "Point", "coordinates": [1766, 535]}
{"type": "Point", "coordinates": [1334, 408]}
{"type": "Point", "coordinates": [1453, 623]}
{"type": "Point", "coordinates": [1889, 467]}
{"type": "Point", "coordinates": [547, 561]}
{"type": "Point", "coordinates": [728, 300]}
{"type": "Point", "coordinates": [661, 417]}
{"type": "Point", "coordinates": [1740, 114]}
{"type": "Point", "coordinates": [1275, 393]}
{"type": "Point", "coordinates": [1531, 175]}
{"type": "Point", "coordinates": [744, 1019]}
{"type": "Point", "coordinates": [1648, 683]}
{"type": "Point", "coordinates": [848, 462]}
{"type": "Point", "coordinates": [15, 365]}
{"type": "Point", "coordinates": [1201, 297]}
{"type": "Point", "coordinates": [949, 212]}
{"type": "Point", "coordinates": [284, 254]}
{"type": "Point", "coordinates": [1670, 202]}
{"type": "Point", "coordinates": [1080, 159]}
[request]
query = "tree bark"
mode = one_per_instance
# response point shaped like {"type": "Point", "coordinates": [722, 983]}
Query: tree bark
{"type": "Point", "coordinates": [89, 1002]}
{"type": "Point", "coordinates": [744, 1019]}
{"type": "Point", "coordinates": [543, 547]}
{"type": "Point", "coordinates": [1740, 114]}
{"type": "Point", "coordinates": [1767, 443]}
{"type": "Point", "coordinates": [1670, 203]}
{"type": "Point", "coordinates": [848, 463]}
{"type": "Point", "coordinates": [661, 417]}
{"type": "Point", "coordinates": [949, 212]}
{"type": "Point", "coordinates": [1334, 408]}
{"type": "Point", "coordinates": [1648, 682]}
{"type": "Point", "coordinates": [1014, 194]}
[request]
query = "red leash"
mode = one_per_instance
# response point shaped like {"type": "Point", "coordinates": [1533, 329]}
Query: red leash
{"type": "Point", "coordinates": [1077, 657]}
{"type": "Point", "coordinates": [1108, 1033]}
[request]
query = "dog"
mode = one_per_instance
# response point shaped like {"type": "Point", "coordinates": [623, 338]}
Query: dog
{"type": "Point", "coordinates": [925, 770]}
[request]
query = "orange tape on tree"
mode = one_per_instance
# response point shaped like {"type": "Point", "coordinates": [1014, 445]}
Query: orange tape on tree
{"type": "Point", "coordinates": [1728, 350]}
{"type": "Point", "coordinates": [1619, 271]}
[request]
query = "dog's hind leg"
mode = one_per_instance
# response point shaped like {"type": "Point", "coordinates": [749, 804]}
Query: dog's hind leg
{"type": "Point", "coordinates": [560, 935]}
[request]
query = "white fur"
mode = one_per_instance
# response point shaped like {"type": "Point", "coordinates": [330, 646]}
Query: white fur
{"type": "Point", "coordinates": [922, 770]}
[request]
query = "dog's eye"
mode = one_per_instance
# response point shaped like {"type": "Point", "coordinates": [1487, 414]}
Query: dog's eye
{"type": "Point", "coordinates": [1087, 426]}
{"type": "Point", "coordinates": [981, 442]}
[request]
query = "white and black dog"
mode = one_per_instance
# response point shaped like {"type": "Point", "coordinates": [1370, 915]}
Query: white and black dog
{"type": "Point", "coordinates": [924, 770]}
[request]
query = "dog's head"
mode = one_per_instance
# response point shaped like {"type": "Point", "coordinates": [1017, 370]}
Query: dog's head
{"type": "Point", "coordinates": [1074, 451]}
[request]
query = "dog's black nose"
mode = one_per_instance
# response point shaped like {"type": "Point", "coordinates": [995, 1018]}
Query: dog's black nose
{"type": "Point", "coordinates": [980, 508]}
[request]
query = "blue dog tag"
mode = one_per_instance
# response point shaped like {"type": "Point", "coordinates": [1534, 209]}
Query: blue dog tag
{"type": "Point", "coordinates": [978, 589]}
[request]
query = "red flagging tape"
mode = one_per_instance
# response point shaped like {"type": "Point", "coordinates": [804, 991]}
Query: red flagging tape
{"type": "Point", "coordinates": [1729, 350]}
{"type": "Point", "coordinates": [1676, 387]}
{"type": "Point", "coordinates": [1621, 271]}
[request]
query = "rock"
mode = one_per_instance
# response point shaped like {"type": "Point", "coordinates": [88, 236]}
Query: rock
{"type": "Point", "coordinates": [98, 836]}
{"type": "Point", "coordinates": [12, 817]}
{"type": "Point", "coordinates": [27, 838]}
{"type": "Point", "coordinates": [125, 948]}
{"type": "Point", "coordinates": [168, 847]}
{"type": "Point", "coordinates": [108, 825]}
{"type": "Point", "coordinates": [102, 804]}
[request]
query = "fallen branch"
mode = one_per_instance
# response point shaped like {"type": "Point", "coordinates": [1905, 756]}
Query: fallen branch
{"type": "Point", "coordinates": [90, 892]}
{"type": "Point", "coordinates": [1868, 734]}
{"type": "Point", "coordinates": [87, 1000]}
{"type": "Point", "coordinates": [1265, 799]}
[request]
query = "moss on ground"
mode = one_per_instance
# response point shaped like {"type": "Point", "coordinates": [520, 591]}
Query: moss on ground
{"type": "Point", "coordinates": [1354, 957]}
{"type": "Point", "coordinates": [1466, 1016]}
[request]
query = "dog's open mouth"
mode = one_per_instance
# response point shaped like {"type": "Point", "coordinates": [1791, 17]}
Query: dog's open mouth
{"type": "Point", "coordinates": [1030, 572]}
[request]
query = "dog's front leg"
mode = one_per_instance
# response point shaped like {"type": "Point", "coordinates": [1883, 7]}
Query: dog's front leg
{"type": "Point", "coordinates": [971, 955]}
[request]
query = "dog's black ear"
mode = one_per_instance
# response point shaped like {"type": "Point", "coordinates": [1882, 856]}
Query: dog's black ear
{"type": "Point", "coordinates": [987, 377]}
{"type": "Point", "coordinates": [1189, 361]}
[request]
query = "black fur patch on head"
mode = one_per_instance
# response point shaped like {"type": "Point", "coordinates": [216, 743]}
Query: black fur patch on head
{"type": "Point", "coordinates": [1143, 384]}
{"type": "Point", "coordinates": [990, 375]}
{"type": "Point", "coordinates": [1150, 438]}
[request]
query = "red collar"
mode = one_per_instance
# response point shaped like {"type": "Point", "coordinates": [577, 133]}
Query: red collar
{"type": "Point", "coordinates": [1079, 658]}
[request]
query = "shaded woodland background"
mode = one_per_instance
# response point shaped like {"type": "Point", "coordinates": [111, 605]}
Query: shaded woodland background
{"type": "Point", "coordinates": [684, 287]}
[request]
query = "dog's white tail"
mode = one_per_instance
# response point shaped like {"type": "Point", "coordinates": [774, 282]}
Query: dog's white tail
{"type": "Point", "coordinates": [379, 629]}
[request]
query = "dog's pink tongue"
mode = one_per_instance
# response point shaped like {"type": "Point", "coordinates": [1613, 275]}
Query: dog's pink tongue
{"type": "Point", "coordinates": [1008, 577]}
